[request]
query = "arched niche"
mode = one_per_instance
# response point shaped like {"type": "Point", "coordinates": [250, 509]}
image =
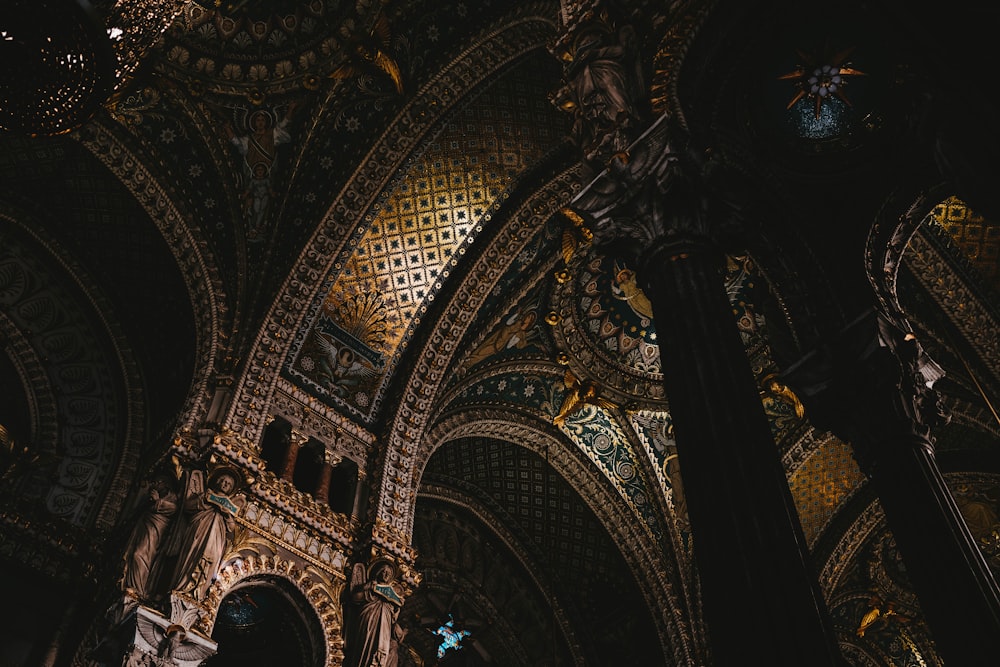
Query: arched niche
{"type": "Point", "coordinates": [264, 621]}
{"type": "Point", "coordinates": [274, 444]}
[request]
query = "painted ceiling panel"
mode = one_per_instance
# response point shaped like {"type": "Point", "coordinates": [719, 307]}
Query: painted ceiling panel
{"type": "Point", "coordinates": [416, 235]}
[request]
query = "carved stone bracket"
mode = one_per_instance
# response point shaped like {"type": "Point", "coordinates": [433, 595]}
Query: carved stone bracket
{"type": "Point", "coordinates": [147, 638]}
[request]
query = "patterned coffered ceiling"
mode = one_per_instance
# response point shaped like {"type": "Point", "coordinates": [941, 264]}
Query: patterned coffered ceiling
{"type": "Point", "coordinates": [415, 236]}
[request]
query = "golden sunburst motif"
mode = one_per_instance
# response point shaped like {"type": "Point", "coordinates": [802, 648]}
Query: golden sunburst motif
{"type": "Point", "coordinates": [819, 77]}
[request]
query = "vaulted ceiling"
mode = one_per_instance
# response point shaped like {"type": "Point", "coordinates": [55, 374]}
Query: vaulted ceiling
{"type": "Point", "coordinates": [351, 213]}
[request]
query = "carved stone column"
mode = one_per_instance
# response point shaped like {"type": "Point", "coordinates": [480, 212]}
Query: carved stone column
{"type": "Point", "coordinates": [761, 597]}
{"type": "Point", "coordinates": [872, 387]}
{"type": "Point", "coordinates": [295, 443]}
{"type": "Point", "coordinates": [322, 493]}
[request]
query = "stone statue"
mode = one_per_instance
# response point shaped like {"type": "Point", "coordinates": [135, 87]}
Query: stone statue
{"type": "Point", "coordinates": [150, 527]}
{"type": "Point", "coordinates": [374, 639]}
{"type": "Point", "coordinates": [209, 520]}
{"type": "Point", "coordinates": [604, 83]}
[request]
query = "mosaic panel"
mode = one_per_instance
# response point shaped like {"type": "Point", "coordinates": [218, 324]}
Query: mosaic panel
{"type": "Point", "coordinates": [416, 235]}
{"type": "Point", "coordinates": [977, 237]}
{"type": "Point", "coordinates": [604, 442]}
{"type": "Point", "coordinates": [822, 483]}
{"type": "Point", "coordinates": [656, 433]}
{"type": "Point", "coordinates": [544, 506]}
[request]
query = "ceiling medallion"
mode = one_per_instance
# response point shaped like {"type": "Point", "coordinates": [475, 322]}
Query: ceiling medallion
{"type": "Point", "coordinates": [820, 76]}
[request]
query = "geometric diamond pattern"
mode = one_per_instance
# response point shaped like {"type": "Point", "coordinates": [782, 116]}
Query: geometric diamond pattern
{"type": "Point", "coordinates": [445, 197]}
{"type": "Point", "coordinates": [821, 484]}
{"type": "Point", "coordinates": [976, 237]}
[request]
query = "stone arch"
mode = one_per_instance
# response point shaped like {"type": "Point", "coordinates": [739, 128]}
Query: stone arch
{"type": "Point", "coordinates": [92, 450]}
{"type": "Point", "coordinates": [659, 582]}
{"type": "Point", "coordinates": [190, 250]}
{"type": "Point", "coordinates": [321, 589]}
{"type": "Point", "coordinates": [275, 608]}
{"type": "Point", "coordinates": [303, 289]}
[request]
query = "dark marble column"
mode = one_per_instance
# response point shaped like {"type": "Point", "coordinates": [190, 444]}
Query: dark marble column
{"type": "Point", "coordinates": [358, 508]}
{"type": "Point", "coordinates": [873, 387]}
{"type": "Point", "coordinates": [322, 493]}
{"type": "Point", "coordinates": [295, 443]}
{"type": "Point", "coordinates": [761, 597]}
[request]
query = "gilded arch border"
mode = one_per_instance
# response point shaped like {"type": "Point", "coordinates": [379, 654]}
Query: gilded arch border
{"type": "Point", "coordinates": [643, 556]}
{"type": "Point", "coordinates": [304, 285]}
{"type": "Point", "coordinates": [258, 559]}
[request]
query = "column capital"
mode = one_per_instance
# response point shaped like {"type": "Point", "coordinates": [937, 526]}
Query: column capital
{"type": "Point", "coordinates": [664, 198]}
{"type": "Point", "coordinates": [298, 438]}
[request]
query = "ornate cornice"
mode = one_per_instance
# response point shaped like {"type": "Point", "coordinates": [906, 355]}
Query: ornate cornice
{"type": "Point", "coordinates": [315, 419]}
{"type": "Point", "coordinates": [841, 561]}
{"type": "Point", "coordinates": [286, 515]}
{"type": "Point", "coordinates": [970, 316]}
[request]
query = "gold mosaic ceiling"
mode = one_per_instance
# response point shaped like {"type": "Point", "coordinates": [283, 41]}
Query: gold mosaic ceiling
{"type": "Point", "coordinates": [416, 235]}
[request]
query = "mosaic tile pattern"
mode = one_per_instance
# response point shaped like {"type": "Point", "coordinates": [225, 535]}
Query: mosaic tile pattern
{"type": "Point", "coordinates": [977, 237]}
{"type": "Point", "coordinates": [822, 484]}
{"type": "Point", "coordinates": [417, 233]}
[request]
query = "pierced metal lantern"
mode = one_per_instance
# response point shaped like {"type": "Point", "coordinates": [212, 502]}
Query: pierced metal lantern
{"type": "Point", "coordinates": [57, 65]}
{"type": "Point", "coordinates": [61, 60]}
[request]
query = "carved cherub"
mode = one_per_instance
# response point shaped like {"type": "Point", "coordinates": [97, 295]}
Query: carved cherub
{"type": "Point", "coordinates": [578, 394]}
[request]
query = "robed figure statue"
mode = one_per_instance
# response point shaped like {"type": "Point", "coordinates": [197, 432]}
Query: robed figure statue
{"type": "Point", "coordinates": [147, 534]}
{"type": "Point", "coordinates": [374, 639]}
{"type": "Point", "coordinates": [208, 514]}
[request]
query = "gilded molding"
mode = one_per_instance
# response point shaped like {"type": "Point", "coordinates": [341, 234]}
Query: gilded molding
{"type": "Point", "coordinates": [320, 586]}
{"type": "Point", "coordinates": [313, 418]}
{"type": "Point", "coordinates": [304, 289]}
{"type": "Point", "coordinates": [976, 323]}
{"type": "Point", "coordinates": [416, 403]}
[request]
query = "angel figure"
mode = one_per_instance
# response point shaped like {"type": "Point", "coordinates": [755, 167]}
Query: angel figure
{"type": "Point", "coordinates": [782, 392]}
{"type": "Point", "coordinates": [626, 288]}
{"type": "Point", "coordinates": [371, 52]}
{"type": "Point", "coordinates": [516, 333]}
{"type": "Point", "coordinates": [342, 367]}
{"type": "Point", "coordinates": [578, 394]}
{"type": "Point", "coordinates": [878, 616]}
{"type": "Point", "coordinates": [209, 513]}
{"type": "Point", "coordinates": [150, 527]}
{"type": "Point", "coordinates": [575, 236]}
{"type": "Point", "coordinates": [259, 149]}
